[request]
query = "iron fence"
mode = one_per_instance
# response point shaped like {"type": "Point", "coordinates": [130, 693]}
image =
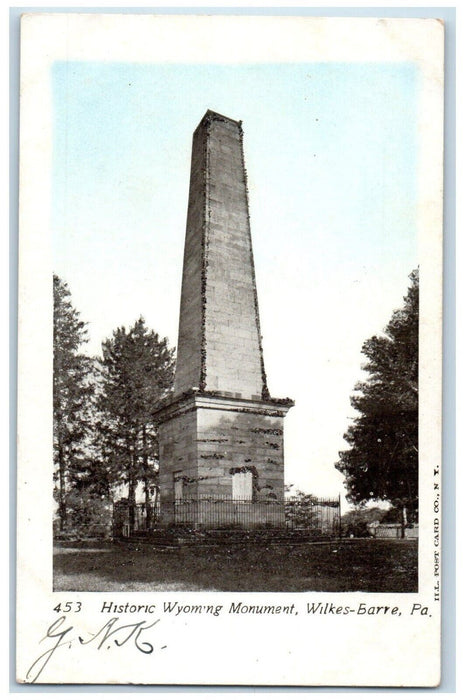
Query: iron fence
{"type": "Point", "coordinates": [320, 515]}
{"type": "Point", "coordinates": [224, 513]}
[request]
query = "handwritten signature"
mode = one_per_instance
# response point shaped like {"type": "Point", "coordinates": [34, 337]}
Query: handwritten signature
{"type": "Point", "coordinates": [119, 634]}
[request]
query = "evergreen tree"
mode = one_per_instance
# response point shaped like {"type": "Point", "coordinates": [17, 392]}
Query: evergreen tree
{"type": "Point", "coordinates": [93, 474]}
{"type": "Point", "coordinates": [138, 371]}
{"type": "Point", "coordinates": [382, 462]}
{"type": "Point", "coordinates": [72, 390]}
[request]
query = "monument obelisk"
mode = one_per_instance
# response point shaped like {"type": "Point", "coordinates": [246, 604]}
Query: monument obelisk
{"type": "Point", "coordinates": [221, 434]}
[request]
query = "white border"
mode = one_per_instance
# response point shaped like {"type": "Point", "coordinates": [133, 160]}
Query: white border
{"type": "Point", "coordinates": [48, 37]}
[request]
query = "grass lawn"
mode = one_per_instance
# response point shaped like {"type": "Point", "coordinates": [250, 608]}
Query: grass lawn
{"type": "Point", "coordinates": [347, 565]}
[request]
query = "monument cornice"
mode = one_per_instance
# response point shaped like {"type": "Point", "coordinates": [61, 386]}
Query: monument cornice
{"type": "Point", "coordinates": [224, 401]}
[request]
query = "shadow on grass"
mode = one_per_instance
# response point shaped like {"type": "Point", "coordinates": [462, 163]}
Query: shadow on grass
{"type": "Point", "coordinates": [356, 565]}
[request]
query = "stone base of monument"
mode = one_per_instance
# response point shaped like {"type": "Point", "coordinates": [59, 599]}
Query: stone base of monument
{"type": "Point", "coordinates": [222, 460]}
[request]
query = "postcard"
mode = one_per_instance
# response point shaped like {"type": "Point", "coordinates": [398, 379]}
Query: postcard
{"type": "Point", "coordinates": [230, 347]}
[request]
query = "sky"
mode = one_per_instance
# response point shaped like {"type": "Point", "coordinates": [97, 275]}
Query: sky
{"type": "Point", "coordinates": [331, 154]}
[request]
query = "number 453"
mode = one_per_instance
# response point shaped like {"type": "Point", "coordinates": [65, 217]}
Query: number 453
{"type": "Point", "coordinates": [73, 606]}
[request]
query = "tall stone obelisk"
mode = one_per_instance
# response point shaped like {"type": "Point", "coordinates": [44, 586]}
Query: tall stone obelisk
{"type": "Point", "coordinates": [221, 435]}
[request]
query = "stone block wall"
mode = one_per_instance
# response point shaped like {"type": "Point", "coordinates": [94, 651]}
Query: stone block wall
{"type": "Point", "coordinates": [229, 440]}
{"type": "Point", "coordinates": [178, 453]}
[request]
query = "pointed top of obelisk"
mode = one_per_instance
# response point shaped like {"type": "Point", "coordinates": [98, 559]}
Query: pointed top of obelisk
{"type": "Point", "coordinates": [210, 115]}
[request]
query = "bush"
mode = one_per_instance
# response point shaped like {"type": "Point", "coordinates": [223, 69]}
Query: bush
{"type": "Point", "coordinates": [355, 522]}
{"type": "Point", "coordinates": [88, 515]}
{"type": "Point", "coordinates": [300, 511]}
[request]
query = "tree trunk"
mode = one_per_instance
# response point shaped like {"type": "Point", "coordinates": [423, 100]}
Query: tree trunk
{"type": "Point", "coordinates": [62, 474]}
{"type": "Point", "coordinates": [131, 489]}
{"type": "Point", "coordinates": [403, 518]}
{"type": "Point", "coordinates": [148, 514]}
{"type": "Point", "coordinates": [157, 498]}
